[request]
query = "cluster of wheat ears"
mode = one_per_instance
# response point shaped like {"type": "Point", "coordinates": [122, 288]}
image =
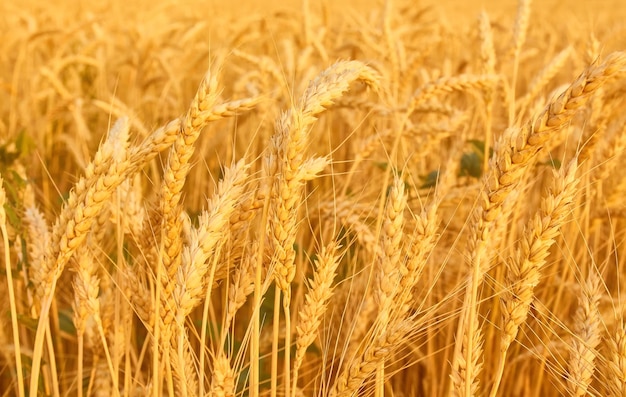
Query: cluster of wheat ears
{"type": "Point", "coordinates": [380, 204]}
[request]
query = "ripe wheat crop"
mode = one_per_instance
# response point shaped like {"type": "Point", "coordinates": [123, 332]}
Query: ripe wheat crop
{"type": "Point", "coordinates": [311, 202]}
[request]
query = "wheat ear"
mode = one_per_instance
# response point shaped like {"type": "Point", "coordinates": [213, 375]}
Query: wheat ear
{"type": "Point", "coordinates": [241, 286]}
{"type": "Point", "coordinates": [421, 242]}
{"type": "Point", "coordinates": [519, 37]}
{"type": "Point", "coordinates": [514, 151]}
{"type": "Point", "coordinates": [192, 274]}
{"type": "Point", "coordinates": [195, 277]}
{"type": "Point", "coordinates": [292, 171]}
{"type": "Point", "coordinates": [450, 84]}
{"type": "Point", "coordinates": [616, 363]}
{"type": "Point", "coordinates": [587, 335]}
{"type": "Point", "coordinates": [468, 371]}
{"type": "Point", "coordinates": [315, 302]}
{"type": "Point", "coordinates": [223, 379]}
{"type": "Point", "coordinates": [102, 177]}
{"type": "Point", "coordinates": [524, 271]}
{"type": "Point", "coordinates": [375, 352]}
{"type": "Point", "coordinates": [389, 274]}
{"type": "Point", "coordinates": [86, 303]}
{"type": "Point", "coordinates": [38, 241]}
{"type": "Point", "coordinates": [174, 176]}
{"type": "Point", "coordinates": [389, 264]}
{"type": "Point", "coordinates": [488, 58]}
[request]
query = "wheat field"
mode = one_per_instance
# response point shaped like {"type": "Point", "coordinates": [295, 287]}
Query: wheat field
{"type": "Point", "coordinates": [312, 199]}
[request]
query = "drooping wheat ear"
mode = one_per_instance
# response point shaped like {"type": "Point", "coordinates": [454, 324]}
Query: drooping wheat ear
{"type": "Point", "coordinates": [203, 109]}
{"type": "Point", "coordinates": [430, 134]}
{"type": "Point", "coordinates": [223, 379]}
{"type": "Point", "coordinates": [513, 153]}
{"type": "Point", "coordinates": [165, 136]}
{"type": "Point", "coordinates": [315, 302]}
{"type": "Point", "coordinates": [450, 84]}
{"type": "Point", "coordinates": [616, 364]}
{"type": "Point", "coordinates": [524, 270]}
{"type": "Point", "coordinates": [289, 143]}
{"type": "Point", "coordinates": [587, 335]}
{"type": "Point", "coordinates": [84, 204]}
{"type": "Point", "coordinates": [348, 214]}
{"type": "Point", "coordinates": [87, 199]}
{"type": "Point", "coordinates": [287, 151]}
{"type": "Point", "coordinates": [518, 147]}
{"type": "Point", "coordinates": [266, 64]}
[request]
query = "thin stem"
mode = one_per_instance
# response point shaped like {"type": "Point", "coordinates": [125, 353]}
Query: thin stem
{"type": "Point", "coordinates": [16, 335]}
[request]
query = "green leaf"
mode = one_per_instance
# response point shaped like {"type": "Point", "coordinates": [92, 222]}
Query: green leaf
{"type": "Point", "coordinates": [382, 166]}
{"type": "Point", "coordinates": [471, 165]}
{"type": "Point", "coordinates": [66, 322]}
{"type": "Point", "coordinates": [27, 321]}
{"type": "Point", "coordinates": [430, 180]}
{"type": "Point", "coordinates": [24, 143]}
{"type": "Point", "coordinates": [479, 146]}
{"type": "Point", "coordinates": [554, 163]}
{"type": "Point", "coordinates": [12, 217]}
